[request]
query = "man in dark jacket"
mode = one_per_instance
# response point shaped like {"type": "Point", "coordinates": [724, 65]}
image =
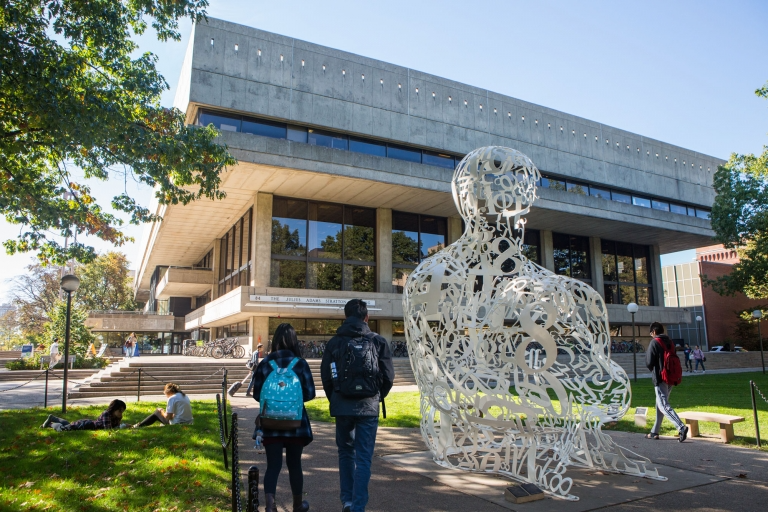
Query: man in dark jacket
{"type": "Point", "coordinates": [357, 419]}
{"type": "Point", "coordinates": [654, 360]}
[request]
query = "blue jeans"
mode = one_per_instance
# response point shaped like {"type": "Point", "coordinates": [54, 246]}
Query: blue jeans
{"type": "Point", "coordinates": [700, 362]}
{"type": "Point", "coordinates": [250, 385]}
{"type": "Point", "coordinates": [355, 458]}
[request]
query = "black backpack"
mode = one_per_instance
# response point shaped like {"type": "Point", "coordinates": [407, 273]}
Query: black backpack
{"type": "Point", "coordinates": [357, 367]}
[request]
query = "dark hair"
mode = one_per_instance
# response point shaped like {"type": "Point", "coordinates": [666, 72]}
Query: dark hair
{"type": "Point", "coordinates": [285, 339]}
{"type": "Point", "coordinates": [356, 308]}
{"type": "Point", "coordinates": [657, 328]}
{"type": "Point", "coordinates": [116, 405]}
{"type": "Point", "coordinates": [173, 388]}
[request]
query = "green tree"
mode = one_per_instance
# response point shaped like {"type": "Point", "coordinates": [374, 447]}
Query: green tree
{"type": "Point", "coordinates": [740, 220]}
{"type": "Point", "coordinates": [80, 335]}
{"type": "Point", "coordinates": [35, 294]}
{"type": "Point", "coordinates": [72, 94]}
{"type": "Point", "coordinates": [105, 283]}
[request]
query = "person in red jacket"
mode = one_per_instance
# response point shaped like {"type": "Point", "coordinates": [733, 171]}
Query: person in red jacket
{"type": "Point", "coordinates": [654, 360]}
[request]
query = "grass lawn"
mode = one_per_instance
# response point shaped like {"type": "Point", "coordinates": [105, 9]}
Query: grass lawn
{"type": "Point", "coordinates": [154, 468]}
{"type": "Point", "coordinates": [724, 393]}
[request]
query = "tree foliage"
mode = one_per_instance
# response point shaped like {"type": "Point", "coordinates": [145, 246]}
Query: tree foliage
{"type": "Point", "coordinates": [73, 95]}
{"type": "Point", "coordinates": [105, 283]}
{"type": "Point", "coordinates": [35, 294]}
{"type": "Point", "coordinates": [80, 335]}
{"type": "Point", "coordinates": [740, 220]}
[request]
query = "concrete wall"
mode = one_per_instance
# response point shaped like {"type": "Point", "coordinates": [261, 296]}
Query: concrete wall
{"type": "Point", "coordinates": [285, 78]}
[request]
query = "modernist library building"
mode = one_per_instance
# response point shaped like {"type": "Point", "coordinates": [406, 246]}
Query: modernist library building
{"type": "Point", "coordinates": [343, 185]}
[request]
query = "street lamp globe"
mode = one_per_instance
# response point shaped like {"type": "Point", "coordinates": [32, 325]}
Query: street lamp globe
{"type": "Point", "coordinates": [757, 314]}
{"type": "Point", "coordinates": [698, 318]}
{"type": "Point", "coordinates": [70, 283]}
{"type": "Point", "coordinates": [632, 307]}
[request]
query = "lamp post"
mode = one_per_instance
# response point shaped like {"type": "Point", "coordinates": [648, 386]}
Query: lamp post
{"type": "Point", "coordinates": [698, 330]}
{"type": "Point", "coordinates": [69, 284]}
{"type": "Point", "coordinates": [632, 308]}
{"type": "Point", "coordinates": [757, 315]}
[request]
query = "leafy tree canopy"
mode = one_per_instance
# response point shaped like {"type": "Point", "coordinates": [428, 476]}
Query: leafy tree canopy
{"type": "Point", "coordinates": [105, 283]}
{"type": "Point", "coordinates": [72, 95]}
{"type": "Point", "coordinates": [80, 335]}
{"type": "Point", "coordinates": [740, 220]}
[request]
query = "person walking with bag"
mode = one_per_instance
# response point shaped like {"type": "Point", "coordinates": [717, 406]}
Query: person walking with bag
{"type": "Point", "coordinates": [357, 374]}
{"type": "Point", "coordinates": [664, 365]}
{"type": "Point", "coordinates": [699, 357]}
{"type": "Point", "coordinates": [282, 382]}
{"type": "Point", "coordinates": [688, 354]}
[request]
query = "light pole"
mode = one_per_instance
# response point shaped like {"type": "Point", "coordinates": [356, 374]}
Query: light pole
{"type": "Point", "coordinates": [69, 284]}
{"type": "Point", "coordinates": [632, 308]}
{"type": "Point", "coordinates": [698, 330]}
{"type": "Point", "coordinates": [757, 315]}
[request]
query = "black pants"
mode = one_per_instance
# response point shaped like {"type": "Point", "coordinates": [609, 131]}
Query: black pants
{"type": "Point", "coordinates": [688, 364]}
{"type": "Point", "coordinates": [149, 420]}
{"type": "Point", "coordinates": [275, 464]}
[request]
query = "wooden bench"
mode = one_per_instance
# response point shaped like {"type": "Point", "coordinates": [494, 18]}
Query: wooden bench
{"type": "Point", "coordinates": [726, 422]}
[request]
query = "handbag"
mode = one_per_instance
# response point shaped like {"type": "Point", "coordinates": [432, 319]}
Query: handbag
{"type": "Point", "coordinates": [704, 359]}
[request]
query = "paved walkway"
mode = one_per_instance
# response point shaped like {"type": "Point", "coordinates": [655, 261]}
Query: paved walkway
{"type": "Point", "coordinates": [722, 477]}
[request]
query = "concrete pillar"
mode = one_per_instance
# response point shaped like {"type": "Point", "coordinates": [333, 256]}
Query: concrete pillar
{"type": "Point", "coordinates": [385, 329]}
{"type": "Point", "coordinates": [655, 272]}
{"type": "Point", "coordinates": [261, 252]}
{"type": "Point", "coordinates": [454, 229]}
{"type": "Point", "coordinates": [596, 261]}
{"type": "Point", "coordinates": [259, 328]}
{"type": "Point", "coordinates": [216, 267]}
{"type": "Point", "coordinates": [384, 250]}
{"type": "Point", "coordinates": [547, 250]}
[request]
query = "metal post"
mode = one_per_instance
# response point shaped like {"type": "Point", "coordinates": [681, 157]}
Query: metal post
{"type": "Point", "coordinates": [138, 388]}
{"type": "Point", "coordinates": [224, 400]}
{"type": "Point", "coordinates": [760, 335]}
{"type": "Point", "coordinates": [235, 466]}
{"type": "Point", "coordinates": [45, 399]}
{"type": "Point", "coordinates": [634, 347]}
{"type": "Point", "coordinates": [66, 353]}
{"type": "Point", "coordinates": [754, 412]}
{"type": "Point", "coordinates": [253, 489]}
{"type": "Point", "coordinates": [698, 332]}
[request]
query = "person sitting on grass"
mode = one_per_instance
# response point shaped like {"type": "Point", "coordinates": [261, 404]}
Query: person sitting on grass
{"type": "Point", "coordinates": [109, 419]}
{"type": "Point", "coordinates": [178, 411]}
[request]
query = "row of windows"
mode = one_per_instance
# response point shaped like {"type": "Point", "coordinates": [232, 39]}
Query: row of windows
{"type": "Point", "coordinates": [242, 124]}
{"type": "Point", "coordinates": [235, 251]}
{"type": "Point", "coordinates": [313, 326]}
{"type": "Point", "coordinates": [577, 187]}
{"type": "Point", "coordinates": [626, 273]}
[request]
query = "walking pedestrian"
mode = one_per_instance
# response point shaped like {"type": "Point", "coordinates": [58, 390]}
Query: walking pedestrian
{"type": "Point", "coordinates": [660, 360]}
{"type": "Point", "coordinates": [254, 363]}
{"type": "Point", "coordinates": [357, 374]}
{"type": "Point", "coordinates": [688, 354]}
{"type": "Point", "coordinates": [284, 376]}
{"type": "Point", "coordinates": [699, 357]}
{"type": "Point", "coordinates": [54, 353]}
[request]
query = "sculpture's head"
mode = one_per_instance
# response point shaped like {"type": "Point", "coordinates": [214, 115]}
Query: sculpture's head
{"type": "Point", "coordinates": [494, 181]}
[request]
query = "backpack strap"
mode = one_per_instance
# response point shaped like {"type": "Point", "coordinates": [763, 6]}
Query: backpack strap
{"type": "Point", "coordinates": [273, 364]}
{"type": "Point", "coordinates": [292, 363]}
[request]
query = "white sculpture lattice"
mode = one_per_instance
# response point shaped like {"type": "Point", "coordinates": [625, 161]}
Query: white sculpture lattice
{"type": "Point", "coordinates": [484, 327]}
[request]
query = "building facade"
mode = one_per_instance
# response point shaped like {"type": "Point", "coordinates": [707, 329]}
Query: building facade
{"type": "Point", "coordinates": [343, 185]}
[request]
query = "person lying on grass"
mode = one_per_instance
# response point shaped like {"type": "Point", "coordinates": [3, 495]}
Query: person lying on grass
{"type": "Point", "coordinates": [178, 411]}
{"type": "Point", "coordinates": [109, 419]}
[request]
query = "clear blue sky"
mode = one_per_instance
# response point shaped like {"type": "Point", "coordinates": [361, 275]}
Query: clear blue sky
{"type": "Point", "coordinates": [683, 72]}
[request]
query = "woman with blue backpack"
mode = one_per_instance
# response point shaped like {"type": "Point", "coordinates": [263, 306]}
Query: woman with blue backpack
{"type": "Point", "coordinates": [282, 382]}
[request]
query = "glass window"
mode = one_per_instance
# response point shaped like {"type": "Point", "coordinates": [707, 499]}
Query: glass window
{"type": "Point", "coordinates": [691, 211]}
{"type": "Point", "coordinates": [677, 208]}
{"type": "Point", "coordinates": [368, 147]}
{"type": "Point", "coordinates": [326, 139]}
{"type": "Point", "coordinates": [561, 245]}
{"type": "Point", "coordinates": [660, 205]}
{"type": "Point", "coordinates": [571, 254]}
{"type": "Point", "coordinates": [611, 294]}
{"type": "Point", "coordinates": [433, 235]}
{"type": "Point", "coordinates": [600, 192]}
{"type": "Point", "coordinates": [532, 245]}
{"type": "Point", "coordinates": [399, 276]}
{"type": "Point", "coordinates": [438, 159]}
{"type": "Point", "coordinates": [288, 273]}
{"type": "Point", "coordinates": [264, 127]}
{"type": "Point", "coordinates": [403, 153]}
{"type": "Point", "coordinates": [577, 188]}
{"type": "Point", "coordinates": [625, 264]}
{"type": "Point", "coordinates": [641, 201]}
{"type": "Point", "coordinates": [297, 134]}
{"type": "Point", "coordinates": [289, 227]}
{"type": "Point", "coordinates": [405, 238]}
{"type": "Point", "coordinates": [359, 278]}
{"type": "Point", "coordinates": [621, 198]}
{"type": "Point", "coordinates": [644, 295]}
{"type": "Point", "coordinates": [626, 273]}
{"type": "Point", "coordinates": [222, 122]}
{"type": "Point", "coordinates": [552, 183]}
{"type": "Point", "coordinates": [702, 214]}
{"type": "Point", "coordinates": [627, 294]}
{"type": "Point", "coordinates": [325, 221]}
{"type": "Point", "coordinates": [609, 261]}
{"type": "Point", "coordinates": [642, 257]}
{"type": "Point", "coordinates": [324, 276]}
{"type": "Point", "coordinates": [359, 233]}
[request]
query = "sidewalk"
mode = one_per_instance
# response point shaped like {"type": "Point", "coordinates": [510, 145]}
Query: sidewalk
{"type": "Point", "coordinates": [730, 478]}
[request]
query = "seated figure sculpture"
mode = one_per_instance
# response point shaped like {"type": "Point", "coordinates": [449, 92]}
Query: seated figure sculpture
{"type": "Point", "coordinates": [484, 326]}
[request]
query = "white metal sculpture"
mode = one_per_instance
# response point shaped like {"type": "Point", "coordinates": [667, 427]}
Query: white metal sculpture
{"type": "Point", "coordinates": [484, 327]}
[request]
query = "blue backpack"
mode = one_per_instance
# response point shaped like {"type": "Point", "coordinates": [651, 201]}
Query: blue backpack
{"type": "Point", "coordinates": [282, 399]}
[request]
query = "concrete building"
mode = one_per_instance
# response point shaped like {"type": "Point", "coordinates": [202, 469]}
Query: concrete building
{"type": "Point", "coordinates": [683, 287]}
{"type": "Point", "coordinates": [343, 186]}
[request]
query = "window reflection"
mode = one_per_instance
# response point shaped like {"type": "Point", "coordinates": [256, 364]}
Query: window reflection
{"type": "Point", "coordinates": [571, 255]}
{"type": "Point", "coordinates": [626, 273]}
{"type": "Point", "coordinates": [324, 276]}
{"type": "Point", "coordinates": [414, 238]}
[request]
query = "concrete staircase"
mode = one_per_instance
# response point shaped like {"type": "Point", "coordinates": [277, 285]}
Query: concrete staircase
{"type": "Point", "coordinates": [195, 376]}
{"type": "Point", "coordinates": [715, 361]}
